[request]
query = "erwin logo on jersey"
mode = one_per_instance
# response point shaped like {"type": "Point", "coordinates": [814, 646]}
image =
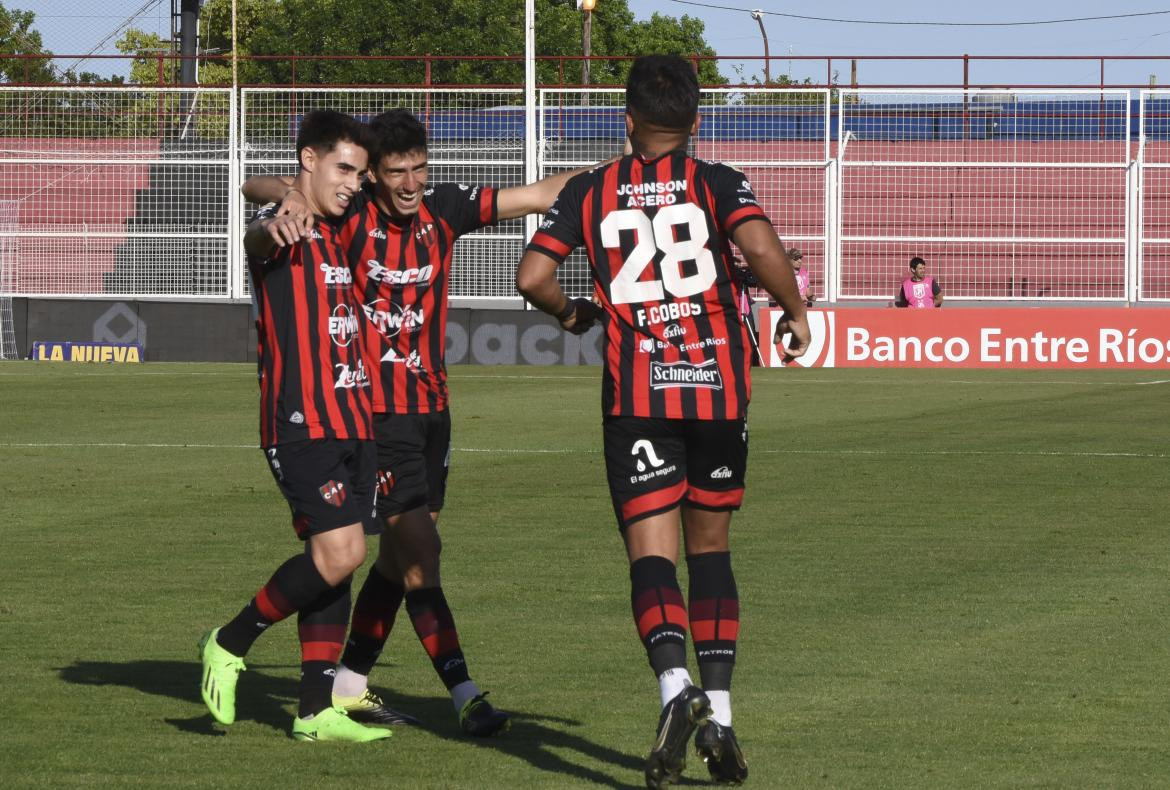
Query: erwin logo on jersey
{"type": "Point", "coordinates": [704, 375]}
{"type": "Point", "coordinates": [389, 319]}
{"type": "Point", "coordinates": [343, 325]}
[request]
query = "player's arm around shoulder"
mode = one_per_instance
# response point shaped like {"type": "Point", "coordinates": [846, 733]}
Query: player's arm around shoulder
{"type": "Point", "coordinates": [288, 199]}
{"type": "Point", "coordinates": [261, 238]}
{"type": "Point", "coordinates": [537, 197]}
{"type": "Point", "coordinates": [268, 232]}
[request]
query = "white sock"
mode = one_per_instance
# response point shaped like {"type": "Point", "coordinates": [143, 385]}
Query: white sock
{"type": "Point", "coordinates": [347, 683]}
{"type": "Point", "coordinates": [720, 706]}
{"type": "Point", "coordinates": [672, 682]}
{"type": "Point", "coordinates": [462, 693]}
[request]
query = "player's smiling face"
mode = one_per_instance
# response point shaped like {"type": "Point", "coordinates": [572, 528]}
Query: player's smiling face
{"type": "Point", "coordinates": [401, 179]}
{"type": "Point", "coordinates": [336, 176]}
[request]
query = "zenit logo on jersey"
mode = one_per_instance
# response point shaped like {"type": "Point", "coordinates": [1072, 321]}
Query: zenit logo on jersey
{"type": "Point", "coordinates": [333, 493]}
{"type": "Point", "coordinates": [348, 378]}
{"type": "Point", "coordinates": [343, 325]}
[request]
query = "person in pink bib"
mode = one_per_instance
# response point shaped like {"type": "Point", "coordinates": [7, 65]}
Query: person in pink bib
{"type": "Point", "coordinates": [918, 290]}
{"type": "Point", "coordinates": [802, 279]}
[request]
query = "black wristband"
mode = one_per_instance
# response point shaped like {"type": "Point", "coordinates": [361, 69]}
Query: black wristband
{"type": "Point", "coordinates": [570, 308]}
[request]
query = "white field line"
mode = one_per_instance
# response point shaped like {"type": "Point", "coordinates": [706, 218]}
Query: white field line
{"type": "Point", "coordinates": [538, 451]}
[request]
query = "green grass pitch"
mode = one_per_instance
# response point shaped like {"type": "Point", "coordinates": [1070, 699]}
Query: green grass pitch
{"type": "Point", "coordinates": [949, 579]}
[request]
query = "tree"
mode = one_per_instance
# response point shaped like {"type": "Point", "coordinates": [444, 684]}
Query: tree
{"type": "Point", "coordinates": [297, 29]}
{"type": "Point", "coordinates": [18, 38]}
{"type": "Point", "coordinates": [148, 67]}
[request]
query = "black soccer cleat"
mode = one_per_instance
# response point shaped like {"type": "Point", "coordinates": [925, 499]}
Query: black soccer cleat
{"type": "Point", "coordinates": [720, 750]}
{"type": "Point", "coordinates": [370, 709]}
{"type": "Point", "coordinates": [678, 721]}
{"type": "Point", "coordinates": [479, 719]}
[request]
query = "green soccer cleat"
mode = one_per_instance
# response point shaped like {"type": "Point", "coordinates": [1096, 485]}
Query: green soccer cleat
{"type": "Point", "coordinates": [370, 709]}
{"type": "Point", "coordinates": [479, 719]}
{"type": "Point", "coordinates": [332, 724]}
{"type": "Point", "coordinates": [221, 671]}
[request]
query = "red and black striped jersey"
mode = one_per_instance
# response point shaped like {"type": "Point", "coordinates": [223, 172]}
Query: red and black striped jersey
{"type": "Point", "coordinates": [657, 236]}
{"type": "Point", "coordinates": [313, 382]}
{"type": "Point", "coordinates": [401, 276]}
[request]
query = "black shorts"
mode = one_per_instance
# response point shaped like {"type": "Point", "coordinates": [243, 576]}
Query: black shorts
{"type": "Point", "coordinates": [414, 451]}
{"type": "Point", "coordinates": [654, 465]}
{"type": "Point", "coordinates": [329, 483]}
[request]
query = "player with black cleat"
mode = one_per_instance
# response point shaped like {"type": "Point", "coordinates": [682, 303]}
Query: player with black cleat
{"type": "Point", "coordinates": [658, 227]}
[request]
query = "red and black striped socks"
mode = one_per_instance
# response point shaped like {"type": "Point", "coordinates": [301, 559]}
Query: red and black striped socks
{"type": "Point", "coordinates": [659, 612]}
{"type": "Point", "coordinates": [295, 584]}
{"type": "Point", "coordinates": [321, 626]}
{"type": "Point", "coordinates": [714, 614]}
{"type": "Point", "coordinates": [435, 627]}
{"type": "Point", "coordinates": [374, 613]}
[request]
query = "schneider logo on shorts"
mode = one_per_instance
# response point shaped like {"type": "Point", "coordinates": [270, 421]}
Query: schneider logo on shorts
{"type": "Point", "coordinates": [685, 374]}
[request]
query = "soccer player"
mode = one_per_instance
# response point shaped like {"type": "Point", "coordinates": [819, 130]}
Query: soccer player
{"type": "Point", "coordinates": [918, 290]}
{"type": "Point", "coordinates": [399, 236]}
{"type": "Point", "coordinates": [656, 226]}
{"type": "Point", "coordinates": [315, 430]}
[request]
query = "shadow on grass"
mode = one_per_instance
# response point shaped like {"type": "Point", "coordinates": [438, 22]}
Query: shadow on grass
{"type": "Point", "coordinates": [269, 699]}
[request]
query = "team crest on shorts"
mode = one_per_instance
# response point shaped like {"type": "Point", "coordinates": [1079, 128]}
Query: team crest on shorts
{"type": "Point", "coordinates": [385, 481]}
{"type": "Point", "coordinates": [333, 493]}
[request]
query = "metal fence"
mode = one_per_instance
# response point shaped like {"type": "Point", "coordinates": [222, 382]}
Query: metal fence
{"type": "Point", "coordinates": [1152, 246]}
{"type": "Point", "coordinates": [1009, 194]}
{"type": "Point", "coordinates": [119, 192]}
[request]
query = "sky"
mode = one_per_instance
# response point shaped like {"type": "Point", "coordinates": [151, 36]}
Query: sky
{"type": "Point", "coordinates": [75, 27]}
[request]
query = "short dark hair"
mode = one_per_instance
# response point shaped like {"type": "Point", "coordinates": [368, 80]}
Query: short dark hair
{"type": "Point", "coordinates": [915, 261]}
{"type": "Point", "coordinates": [322, 130]}
{"type": "Point", "coordinates": [663, 90]}
{"type": "Point", "coordinates": [397, 131]}
{"type": "Point", "coordinates": [795, 254]}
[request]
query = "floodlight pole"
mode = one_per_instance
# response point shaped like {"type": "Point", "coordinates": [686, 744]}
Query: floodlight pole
{"type": "Point", "coordinates": [758, 15]}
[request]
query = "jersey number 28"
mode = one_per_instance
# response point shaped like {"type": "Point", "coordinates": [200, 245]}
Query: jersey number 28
{"type": "Point", "coordinates": [627, 285]}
